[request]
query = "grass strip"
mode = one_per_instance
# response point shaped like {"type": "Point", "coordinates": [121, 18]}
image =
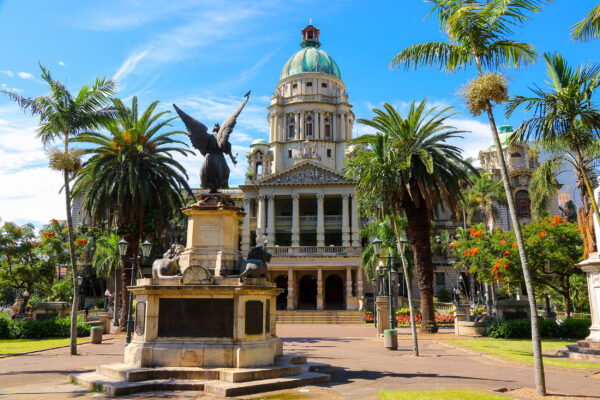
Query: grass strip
{"type": "Point", "coordinates": [12, 346]}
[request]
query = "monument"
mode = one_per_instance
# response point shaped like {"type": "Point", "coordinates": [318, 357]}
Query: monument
{"type": "Point", "coordinates": [210, 327]}
{"type": "Point", "coordinates": [589, 349]}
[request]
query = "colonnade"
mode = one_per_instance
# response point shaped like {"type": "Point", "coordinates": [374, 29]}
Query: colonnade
{"type": "Point", "coordinates": [340, 125]}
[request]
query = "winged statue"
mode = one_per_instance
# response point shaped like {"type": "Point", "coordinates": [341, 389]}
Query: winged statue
{"type": "Point", "coordinates": [214, 173]}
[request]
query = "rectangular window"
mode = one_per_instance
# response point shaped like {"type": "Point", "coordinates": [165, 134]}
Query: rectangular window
{"type": "Point", "coordinates": [323, 85]}
{"type": "Point", "coordinates": [295, 86]}
{"type": "Point", "coordinates": [289, 153]}
{"type": "Point", "coordinates": [439, 279]}
{"type": "Point", "coordinates": [327, 130]}
{"type": "Point", "coordinates": [328, 152]}
{"type": "Point", "coordinates": [308, 84]}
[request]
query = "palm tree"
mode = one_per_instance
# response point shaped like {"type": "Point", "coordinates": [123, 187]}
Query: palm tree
{"type": "Point", "coordinates": [106, 262]}
{"type": "Point", "coordinates": [409, 171]}
{"type": "Point", "coordinates": [483, 196]}
{"type": "Point", "coordinates": [63, 117]}
{"type": "Point", "coordinates": [564, 114]}
{"type": "Point", "coordinates": [588, 28]}
{"type": "Point", "coordinates": [131, 172]}
{"type": "Point", "coordinates": [479, 33]}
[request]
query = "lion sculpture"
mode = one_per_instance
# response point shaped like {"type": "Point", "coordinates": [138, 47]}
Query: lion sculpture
{"type": "Point", "coordinates": [169, 264]}
{"type": "Point", "coordinates": [255, 266]}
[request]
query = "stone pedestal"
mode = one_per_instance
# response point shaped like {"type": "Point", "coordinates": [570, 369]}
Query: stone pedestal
{"type": "Point", "coordinates": [591, 267]}
{"type": "Point", "coordinates": [51, 309]}
{"type": "Point", "coordinates": [512, 309]}
{"type": "Point", "coordinates": [216, 322]}
{"type": "Point", "coordinates": [212, 235]}
{"type": "Point", "coordinates": [383, 314]}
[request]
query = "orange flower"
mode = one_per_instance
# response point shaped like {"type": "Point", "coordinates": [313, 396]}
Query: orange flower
{"type": "Point", "coordinates": [546, 218]}
{"type": "Point", "coordinates": [506, 253]}
{"type": "Point", "coordinates": [514, 245]}
{"type": "Point", "coordinates": [506, 266]}
{"type": "Point", "coordinates": [54, 221]}
{"type": "Point", "coordinates": [540, 254]}
{"type": "Point", "coordinates": [498, 261]}
{"type": "Point", "coordinates": [542, 234]}
{"type": "Point", "coordinates": [496, 268]}
{"type": "Point", "coordinates": [472, 231]}
{"type": "Point", "coordinates": [474, 251]}
{"type": "Point", "coordinates": [465, 252]}
{"type": "Point", "coordinates": [557, 218]}
{"type": "Point", "coordinates": [497, 276]}
{"type": "Point", "coordinates": [503, 242]}
{"type": "Point", "coordinates": [81, 241]}
{"type": "Point", "coordinates": [452, 245]}
{"type": "Point", "coordinates": [553, 223]}
{"type": "Point", "coordinates": [532, 241]}
{"type": "Point", "coordinates": [48, 235]}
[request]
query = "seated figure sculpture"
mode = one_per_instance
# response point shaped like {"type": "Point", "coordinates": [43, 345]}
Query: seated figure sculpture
{"type": "Point", "coordinates": [255, 266]}
{"type": "Point", "coordinates": [168, 265]}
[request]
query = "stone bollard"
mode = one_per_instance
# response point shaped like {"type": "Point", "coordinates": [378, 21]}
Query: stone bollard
{"type": "Point", "coordinates": [96, 334]}
{"type": "Point", "coordinates": [390, 339]}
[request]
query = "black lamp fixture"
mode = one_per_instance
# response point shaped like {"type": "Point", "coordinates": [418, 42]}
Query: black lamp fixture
{"type": "Point", "coordinates": [377, 244]}
{"type": "Point", "coordinates": [146, 249]}
{"type": "Point", "coordinates": [123, 246]}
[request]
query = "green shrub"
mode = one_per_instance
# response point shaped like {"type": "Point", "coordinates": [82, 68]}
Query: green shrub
{"type": "Point", "coordinates": [4, 326]}
{"type": "Point", "coordinates": [521, 329]}
{"type": "Point", "coordinates": [575, 328]}
{"type": "Point", "coordinates": [445, 296]}
{"type": "Point", "coordinates": [35, 329]}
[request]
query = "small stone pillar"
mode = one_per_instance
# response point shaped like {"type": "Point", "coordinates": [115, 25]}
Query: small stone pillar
{"type": "Point", "coordinates": [591, 267]}
{"type": "Point", "coordinates": [459, 315]}
{"type": "Point", "coordinates": [383, 314]}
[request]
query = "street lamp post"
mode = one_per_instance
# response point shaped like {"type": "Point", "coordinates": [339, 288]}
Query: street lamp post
{"type": "Point", "coordinates": [123, 246]}
{"type": "Point", "coordinates": [374, 281]}
{"type": "Point", "coordinates": [413, 329]}
{"type": "Point", "coordinates": [390, 335]}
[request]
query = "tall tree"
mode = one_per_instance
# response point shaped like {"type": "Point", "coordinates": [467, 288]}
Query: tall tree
{"type": "Point", "coordinates": [564, 115]}
{"type": "Point", "coordinates": [410, 170]}
{"type": "Point", "coordinates": [479, 33]}
{"type": "Point", "coordinates": [588, 28]}
{"type": "Point", "coordinates": [484, 196]}
{"type": "Point", "coordinates": [131, 172]}
{"type": "Point", "coordinates": [63, 117]}
{"type": "Point", "coordinates": [107, 263]}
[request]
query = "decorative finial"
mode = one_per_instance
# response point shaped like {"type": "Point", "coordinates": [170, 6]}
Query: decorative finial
{"type": "Point", "coordinates": [310, 21]}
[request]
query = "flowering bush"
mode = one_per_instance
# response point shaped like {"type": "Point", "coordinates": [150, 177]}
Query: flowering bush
{"type": "Point", "coordinates": [81, 241]}
{"type": "Point", "coordinates": [404, 319]}
{"type": "Point", "coordinates": [369, 317]}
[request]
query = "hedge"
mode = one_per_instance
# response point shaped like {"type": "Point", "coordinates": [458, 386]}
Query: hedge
{"type": "Point", "coordinates": [35, 329]}
{"type": "Point", "coordinates": [572, 328]}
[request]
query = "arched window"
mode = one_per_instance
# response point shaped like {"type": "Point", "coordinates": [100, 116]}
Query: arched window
{"type": "Point", "coordinates": [259, 169]}
{"type": "Point", "coordinates": [523, 204]}
{"type": "Point", "coordinates": [308, 128]}
{"type": "Point", "coordinates": [291, 128]}
{"type": "Point", "coordinates": [516, 154]}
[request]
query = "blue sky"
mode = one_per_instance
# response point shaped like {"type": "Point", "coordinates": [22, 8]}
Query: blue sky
{"type": "Point", "coordinates": [204, 55]}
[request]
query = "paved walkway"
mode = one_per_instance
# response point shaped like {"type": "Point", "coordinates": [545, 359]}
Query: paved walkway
{"type": "Point", "coordinates": [361, 366]}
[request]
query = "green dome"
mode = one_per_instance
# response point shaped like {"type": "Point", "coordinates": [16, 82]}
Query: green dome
{"type": "Point", "coordinates": [310, 59]}
{"type": "Point", "coordinates": [258, 141]}
{"type": "Point", "coordinates": [504, 133]}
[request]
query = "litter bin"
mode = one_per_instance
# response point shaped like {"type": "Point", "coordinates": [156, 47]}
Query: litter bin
{"type": "Point", "coordinates": [96, 334]}
{"type": "Point", "coordinates": [390, 339]}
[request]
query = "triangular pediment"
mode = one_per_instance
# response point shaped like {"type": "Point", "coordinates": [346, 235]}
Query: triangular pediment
{"type": "Point", "coordinates": [305, 173]}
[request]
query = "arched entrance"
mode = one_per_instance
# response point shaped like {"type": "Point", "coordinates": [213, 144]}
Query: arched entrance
{"type": "Point", "coordinates": [334, 293]}
{"type": "Point", "coordinates": [282, 283]}
{"type": "Point", "coordinates": [307, 293]}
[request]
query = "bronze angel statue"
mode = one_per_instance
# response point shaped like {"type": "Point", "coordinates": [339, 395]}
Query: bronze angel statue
{"type": "Point", "coordinates": [214, 173]}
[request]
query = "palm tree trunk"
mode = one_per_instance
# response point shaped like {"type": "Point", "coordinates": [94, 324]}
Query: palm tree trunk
{"type": "Point", "coordinates": [538, 365]}
{"type": "Point", "coordinates": [419, 233]}
{"type": "Point", "coordinates": [413, 326]}
{"type": "Point", "coordinates": [488, 299]}
{"type": "Point", "coordinates": [117, 297]}
{"type": "Point", "coordinates": [75, 305]}
{"type": "Point", "coordinates": [588, 186]}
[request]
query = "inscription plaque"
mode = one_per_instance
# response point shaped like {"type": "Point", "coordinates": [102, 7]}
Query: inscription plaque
{"type": "Point", "coordinates": [195, 318]}
{"type": "Point", "coordinates": [254, 317]}
{"type": "Point", "coordinates": [140, 317]}
{"type": "Point", "coordinates": [268, 317]}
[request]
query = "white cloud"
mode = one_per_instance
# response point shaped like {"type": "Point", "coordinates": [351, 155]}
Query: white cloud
{"type": "Point", "coordinates": [9, 73]}
{"type": "Point", "coordinates": [25, 75]}
{"type": "Point", "coordinates": [6, 87]}
{"type": "Point", "coordinates": [129, 64]}
{"type": "Point", "coordinates": [62, 64]}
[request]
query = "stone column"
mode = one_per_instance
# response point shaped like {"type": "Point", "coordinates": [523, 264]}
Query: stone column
{"type": "Point", "coordinates": [246, 227]}
{"type": "Point", "coordinates": [345, 226]}
{"type": "Point", "coordinates": [271, 222]}
{"type": "Point", "coordinates": [383, 314]}
{"type": "Point", "coordinates": [321, 126]}
{"type": "Point", "coordinates": [290, 288]}
{"type": "Point", "coordinates": [355, 223]}
{"type": "Point", "coordinates": [271, 126]}
{"type": "Point", "coordinates": [319, 288]}
{"type": "Point", "coordinates": [295, 220]}
{"type": "Point", "coordinates": [261, 220]}
{"type": "Point", "coordinates": [359, 282]}
{"type": "Point", "coordinates": [320, 221]}
{"type": "Point", "coordinates": [297, 125]}
{"type": "Point", "coordinates": [343, 126]}
{"type": "Point", "coordinates": [301, 130]}
{"type": "Point", "coordinates": [334, 125]}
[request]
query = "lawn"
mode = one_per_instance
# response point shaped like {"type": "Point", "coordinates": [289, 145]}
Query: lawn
{"type": "Point", "coordinates": [439, 395]}
{"type": "Point", "coordinates": [11, 346]}
{"type": "Point", "coordinates": [520, 350]}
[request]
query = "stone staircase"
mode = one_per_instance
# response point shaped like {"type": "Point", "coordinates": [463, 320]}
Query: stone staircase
{"type": "Point", "coordinates": [320, 317]}
{"type": "Point", "coordinates": [289, 371]}
{"type": "Point", "coordinates": [584, 350]}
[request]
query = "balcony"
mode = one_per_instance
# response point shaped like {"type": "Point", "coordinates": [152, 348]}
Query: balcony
{"type": "Point", "coordinates": [313, 251]}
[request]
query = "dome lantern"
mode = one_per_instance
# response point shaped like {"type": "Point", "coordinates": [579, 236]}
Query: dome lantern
{"type": "Point", "coordinates": [310, 37]}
